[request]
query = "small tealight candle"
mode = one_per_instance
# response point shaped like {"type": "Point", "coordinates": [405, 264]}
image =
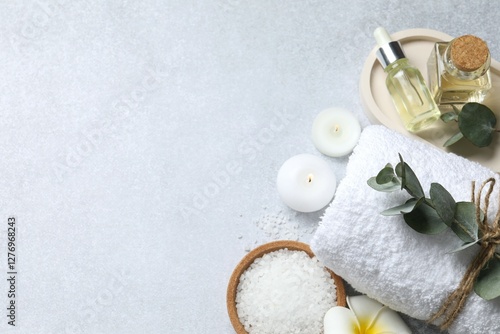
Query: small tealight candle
{"type": "Point", "coordinates": [335, 132]}
{"type": "Point", "coordinates": [306, 183]}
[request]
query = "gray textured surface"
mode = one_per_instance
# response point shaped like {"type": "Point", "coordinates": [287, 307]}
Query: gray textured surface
{"type": "Point", "coordinates": [141, 141]}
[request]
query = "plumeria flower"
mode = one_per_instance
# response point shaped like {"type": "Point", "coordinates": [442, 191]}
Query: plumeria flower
{"type": "Point", "coordinates": [364, 316]}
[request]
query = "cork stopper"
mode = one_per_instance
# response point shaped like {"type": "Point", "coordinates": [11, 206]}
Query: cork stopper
{"type": "Point", "coordinates": [468, 53]}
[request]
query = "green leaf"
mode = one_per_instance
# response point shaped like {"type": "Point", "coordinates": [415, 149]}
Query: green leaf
{"type": "Point", "coordinates": [477, 123]}
{"type": "Point", "coordinates": [424, 219]}
{"type": "Point", "coordinates": [394, 185]}
{"type": "Point", "coordinates": [385, 175]}
{"type": "Point", "coordinates": [403, 208]}
{"type": "Point", "coordinates": [401, 171]}
{"type": "Point", "coordinates": [453, 139]}
{"type": "Point", "coordinates": [409, 180]}
{"type": "Point", "coordinates": [449, 116]}
{"type": "Point", "coordinates": [464, 224]}
{"type": "Point", "coordinates": [443, 203]}
{"type": "Point", "coordinates": [487, 285]}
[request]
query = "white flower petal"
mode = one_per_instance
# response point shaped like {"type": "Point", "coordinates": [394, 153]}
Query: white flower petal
{"type": "Point", "coordinates": [388, 321]}
{"type": "Point", "coordinates": [340, 320]}
{"type": "Point", "coordinates": [365, 309]}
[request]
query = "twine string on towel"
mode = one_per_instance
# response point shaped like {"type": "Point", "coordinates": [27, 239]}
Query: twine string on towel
{"type": "Point", "coordinates": [489, 240]}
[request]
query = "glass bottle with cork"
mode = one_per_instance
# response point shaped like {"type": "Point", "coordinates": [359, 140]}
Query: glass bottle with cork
{"type": "Point", "coordinates": [458, 71]}
{"type": "Point", "coordinates": [411, 97]}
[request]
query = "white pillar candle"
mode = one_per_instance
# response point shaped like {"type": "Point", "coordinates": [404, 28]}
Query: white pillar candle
{"type": "Point", "coordinates": [306, 183]}
{"type": "Point", "coordinates": [335, 132]}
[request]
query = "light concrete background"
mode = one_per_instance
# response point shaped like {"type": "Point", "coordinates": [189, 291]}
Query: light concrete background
{"type": "Point", "coordinates": [140, 143]}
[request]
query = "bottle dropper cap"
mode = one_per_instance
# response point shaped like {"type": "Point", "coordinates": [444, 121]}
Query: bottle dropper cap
{"type": "Point", "coordinates": [382, 36]}
{"type": "Point", "coordinates": [389, 51]}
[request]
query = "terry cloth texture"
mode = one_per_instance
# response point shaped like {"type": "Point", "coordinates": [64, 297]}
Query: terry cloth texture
{"type": "Point", "coordinates": [383, 257]}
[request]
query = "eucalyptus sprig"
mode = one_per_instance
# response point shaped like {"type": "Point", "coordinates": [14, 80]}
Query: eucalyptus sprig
{"type": "Point", "coordinates": [476, 122]}
{"type": "Point", "coordinates": [435, 214]}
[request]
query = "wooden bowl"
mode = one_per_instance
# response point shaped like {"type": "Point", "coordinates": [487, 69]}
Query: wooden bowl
{"type": "Point", "coordinates": [257, 253]}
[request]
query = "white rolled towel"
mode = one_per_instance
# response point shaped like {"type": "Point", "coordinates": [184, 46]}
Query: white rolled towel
{"type": "Point", "coordinates": [382, 256]}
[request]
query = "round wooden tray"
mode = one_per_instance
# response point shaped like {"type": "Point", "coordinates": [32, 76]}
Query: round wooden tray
{"type": "Point", "coordinates": [259, 252]}
{"type": "Point", "coordinates": [378, 106]}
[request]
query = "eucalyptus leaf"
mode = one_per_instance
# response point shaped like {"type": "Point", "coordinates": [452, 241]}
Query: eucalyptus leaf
{"type": "Point", "coordinates": [409, 180]}
{"type": "Point", "coordinates": [453, 139]}
{"type": "Point", "coordinates": [477, 123]}
{"type": "Point", "coordinates": [449, 116]}
{"type": "Point", "coordinates": [401, 171]}
{"type": "Point", "coordinates": [385, 175]}
{"type": "Point", "coordinates": [464, 225]}
{"type": "Point", "coordinates": [443, 202]}
{"type": "Point", "coordinates": [403, 208]}
{"type": "Point", "coordinates": [487, 285]}
{"type": "Point", "coordinates": [424, 219]}
{"type": "Point", "coordinates": [394, 185]}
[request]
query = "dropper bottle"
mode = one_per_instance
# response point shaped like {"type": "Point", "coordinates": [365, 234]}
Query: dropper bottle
{"type": "Point", "coordinates": [405, 83]}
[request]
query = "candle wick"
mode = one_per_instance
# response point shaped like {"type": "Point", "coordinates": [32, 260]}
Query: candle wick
{"type": "Point", "coordinates": [336, 130]}
{"type": "Point", "coordinates": [310, 177]}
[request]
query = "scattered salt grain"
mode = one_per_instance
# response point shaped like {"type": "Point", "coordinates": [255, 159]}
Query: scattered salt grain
{"type": "Point", "coordinates": [285, 292]}
{"type": "Point", "coordinates": [278, 226]}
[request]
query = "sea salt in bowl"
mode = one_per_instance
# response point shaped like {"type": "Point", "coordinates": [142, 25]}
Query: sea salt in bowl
{"type": "Point", "coordinates": [256, 256]}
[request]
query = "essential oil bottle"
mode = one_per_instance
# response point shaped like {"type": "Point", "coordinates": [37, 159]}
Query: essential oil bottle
{"type": "Point", "coordinates": [458, 71]}
{"type": "Point", "coordinates": [405, 83]}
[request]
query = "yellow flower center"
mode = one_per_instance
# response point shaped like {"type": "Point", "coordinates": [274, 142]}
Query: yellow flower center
{"type": "Point", "coordinates": [364, 329]}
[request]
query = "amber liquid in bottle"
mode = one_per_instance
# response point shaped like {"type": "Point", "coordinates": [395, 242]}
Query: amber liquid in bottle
{"type": "Point", "coordinates": [410, 95]}
{"type": "Point", "coordinates": [452, 85]}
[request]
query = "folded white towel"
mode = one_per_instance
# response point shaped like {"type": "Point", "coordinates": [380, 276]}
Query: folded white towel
{"type": "Point", "coordinates": [382, 256]}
